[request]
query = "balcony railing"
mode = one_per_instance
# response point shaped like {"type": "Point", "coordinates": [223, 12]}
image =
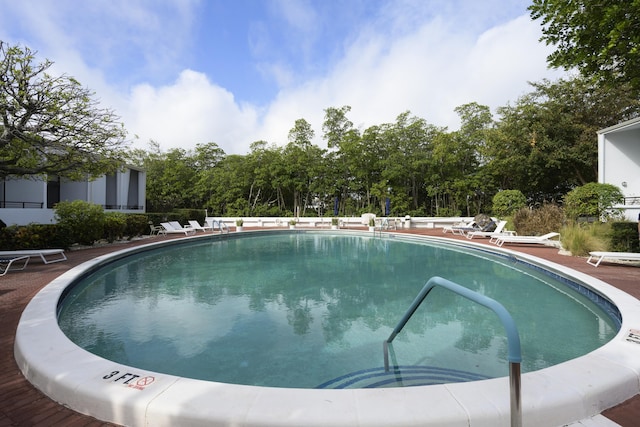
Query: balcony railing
{"type": "Point", "coordinates": [21, 205]}
{"type": "Point", "coordinates": [40, 205]}
{"type": "Point", "coordinates": [123, 207]}
{"type": "Point", "coordinates": [632, 200]}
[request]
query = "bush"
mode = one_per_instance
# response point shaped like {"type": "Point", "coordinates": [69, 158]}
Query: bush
{"type": "Point", "coordinates": [593, 200]}
{"type": "Point", "coordinates": [534, 222]}
{"type": "Point", "coordinates": [506, 202]}
{"type": "Point", "coordinates": [115, 224]}
{"type": "Point", "coordinates": [33, 236]}
{"type": "Point", "coordinates": [624, 237]}
{"type": "Point", "coordinates": [82, 221]}
{"type": "Point", "coordinates": [187, 214]}
{"type": "Point", "coordinates": [582, 239]}
{"type": "Point", "coordinates": [137, 225]}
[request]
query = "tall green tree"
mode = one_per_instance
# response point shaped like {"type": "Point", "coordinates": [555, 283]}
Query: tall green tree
{"type": "Point", "coordinates": [599, 38]}
{"type": "Point", "coordinates": [344, 142]}
{"type": "Point", "coordinates": [336, 125]}
{"type": "Point", "coordinates": [302, 162]}
{"type": "Point", "coordinates": [52, 125]}
{"type": "Point", "coordinates": [545, 144]}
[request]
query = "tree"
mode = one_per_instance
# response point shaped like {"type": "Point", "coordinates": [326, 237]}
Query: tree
{"type": "Point", "coordinates": [545, 144]}
{"type": "Point", "coordinates": [506, 202]}
{"type": "Point", "coordinates": [599, 38]}
{"type": "Point", "coordinates": [594, 200]}
{"type": "Point", "coordinates": [336, 125]}
{"type": "Point", "coordinates": [52, 125]}
{"type": "Point", "coordinates": [301, 160]}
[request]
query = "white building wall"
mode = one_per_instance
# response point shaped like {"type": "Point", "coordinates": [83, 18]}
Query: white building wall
{"type": "Point", "coordinates": [142, 190]}
{"type": "Point", "coordinates": [619, 163]}
{"type": "Point", "coordinates": [123, 188]}
{"type": "Point", "coordinates": [35, 191]}
{"type": "Point", "coordinates": [98, 191]}
{"type": "Point", "coordinates": [26, 191]}
{"type": "Point", "coordinates": [620, 167]}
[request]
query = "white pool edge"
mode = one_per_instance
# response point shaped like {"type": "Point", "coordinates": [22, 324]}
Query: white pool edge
{"type": "Point", "coordinates": [565, 393]}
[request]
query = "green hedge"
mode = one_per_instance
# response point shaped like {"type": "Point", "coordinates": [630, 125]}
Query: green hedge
{"type": "Point", "coordinates": [34, 236]}
{"type": "Point", "coordinates": [624, 237]}
{"type": "Point", "coordinates": [116, 225]}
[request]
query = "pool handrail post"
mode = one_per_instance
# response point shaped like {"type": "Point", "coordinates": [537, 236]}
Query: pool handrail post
{"type": "Point", "coordinates": [513, 337]}
{"type": "Point", "coordinates": [515, 396]}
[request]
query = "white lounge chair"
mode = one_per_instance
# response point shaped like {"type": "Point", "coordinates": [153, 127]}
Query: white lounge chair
{"type": "Point", "coordinates": [622, 256]}
{"type": "Point", "coordinates": [497, 232]}
{"type": "Point", "coordinates": [540, 240]}
{"type": "Point", "coordinates": [6, 262]}
{"type": "Point", "coordinates": [462, 225]}
{"type": "Point", "coordinates": [196, 226]}
{"type": "Point", "coordinates": [169, 228]}
{"type": "Point", "coordinates": [42, 253]}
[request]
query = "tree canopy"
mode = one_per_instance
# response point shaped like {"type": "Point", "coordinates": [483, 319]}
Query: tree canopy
{"type": "Point", "coordinates": [541, 146]}
{"type": "Point", "coordinates": [52, 125]}
{"type": "Point", "coordinates": [599, 38]}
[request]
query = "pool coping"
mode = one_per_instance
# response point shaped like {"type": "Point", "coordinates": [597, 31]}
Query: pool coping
{"type": "Point", "coordinates": [561, 394]}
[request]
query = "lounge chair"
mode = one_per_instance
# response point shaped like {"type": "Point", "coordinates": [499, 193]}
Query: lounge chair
{"type": "Point", "coordinates": [460, 230]}
{"type": "Point", "coordinates": [6, 262]}
{"type": "Point", "coordinates": [463, 225]}
{"type": "Point", "coordinates": [155, 229]}
{"type": "Point", "coordinates": [498, 232]}
{"type": "Point", "coordinates": [196, 226]}
{"type": "Point", "coordinates": [525, 240]}
{"type": "Point", "coordinates": [489, 227]}
{"type": "Point", "coordinates": [622, 256]}
{"type": "Point", "coordinates": [42, 253]}
{"type": "Point", "coordinates": [170, 228]}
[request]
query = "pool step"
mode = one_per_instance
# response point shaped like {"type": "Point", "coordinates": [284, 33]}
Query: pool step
{"type": "Point", "coordinates": [401, 376]}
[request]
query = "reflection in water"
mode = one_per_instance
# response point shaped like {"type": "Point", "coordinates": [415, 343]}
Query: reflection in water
{"type": "Point", "coordinates": [298, 310]}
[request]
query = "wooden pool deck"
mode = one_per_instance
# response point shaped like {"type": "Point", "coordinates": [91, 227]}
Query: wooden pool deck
{"type": "Point", "coordinates": [23, 405]}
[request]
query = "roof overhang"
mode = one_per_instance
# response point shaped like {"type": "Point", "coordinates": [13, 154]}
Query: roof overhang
{"type": "Point", "coordinates": [632, 124]}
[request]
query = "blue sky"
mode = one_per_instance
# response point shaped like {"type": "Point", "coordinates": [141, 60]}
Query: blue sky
{"type": "Point", "coordinates": [236, 71]}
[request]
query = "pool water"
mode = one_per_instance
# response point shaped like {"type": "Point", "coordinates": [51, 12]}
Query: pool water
{"type": "Point", "coordinates": [301, 310]}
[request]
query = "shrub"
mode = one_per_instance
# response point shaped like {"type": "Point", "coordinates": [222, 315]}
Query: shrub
{"type": "Point", "coordinates": [506, 202]}
{"type": "Point", "coordinates": [624, 237]}
{"type": "Point", "coordinates": [187, 214]}
{"type": "Point", "coordinates": [545, 219]}
{"type": "Point", "coordinates": [593, 200]}
{"type": "Point", "coordinates": [82, 221]}
{"type": "Point", "coordinates": [137, 225]}
{"type": "Point", "coordinates": [582, 239]}
{"type": "Point", "coordinates": [115, 224]}
{"type": "Point", "coordinates": [33, 236]}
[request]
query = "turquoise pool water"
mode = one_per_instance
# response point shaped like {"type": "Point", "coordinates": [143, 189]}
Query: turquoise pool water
{"type": "Point", "coordinates": [300, 310]}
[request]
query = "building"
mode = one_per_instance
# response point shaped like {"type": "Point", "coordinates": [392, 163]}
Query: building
{"type": "Point", "coordinates": [25, 201]}
{"type": "Point", "coordinates": [619, 163]}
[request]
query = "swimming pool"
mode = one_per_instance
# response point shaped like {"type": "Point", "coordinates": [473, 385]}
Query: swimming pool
{"type": "Point", "coordinates": [143, 394]}
{"type": "Point", "coordinates": [300, 310]}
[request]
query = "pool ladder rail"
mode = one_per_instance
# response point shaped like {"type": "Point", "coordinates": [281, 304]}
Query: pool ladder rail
{"type": "Point", "coordinates": [513, 338]}
{"type": "Point", "coordinates": [224, 228]}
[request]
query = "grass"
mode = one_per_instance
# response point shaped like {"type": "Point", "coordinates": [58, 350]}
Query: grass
{"type": "Point", "coordinates": [580, 239]}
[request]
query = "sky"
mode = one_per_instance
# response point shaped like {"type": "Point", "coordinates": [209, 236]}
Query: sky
{"type": "Point", "coordinates": [232, 72]}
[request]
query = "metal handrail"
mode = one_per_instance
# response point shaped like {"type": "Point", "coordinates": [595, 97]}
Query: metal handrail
{"type": "Point", "coordinates": [513, 338]}
{"type": "Point", "coordinates": [221, 225]}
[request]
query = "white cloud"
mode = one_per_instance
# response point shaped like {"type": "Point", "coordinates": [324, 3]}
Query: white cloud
{"type": "Point", "coordinates": [429, 72]}
{"type": "Point", "coordinates": [190, 111]}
